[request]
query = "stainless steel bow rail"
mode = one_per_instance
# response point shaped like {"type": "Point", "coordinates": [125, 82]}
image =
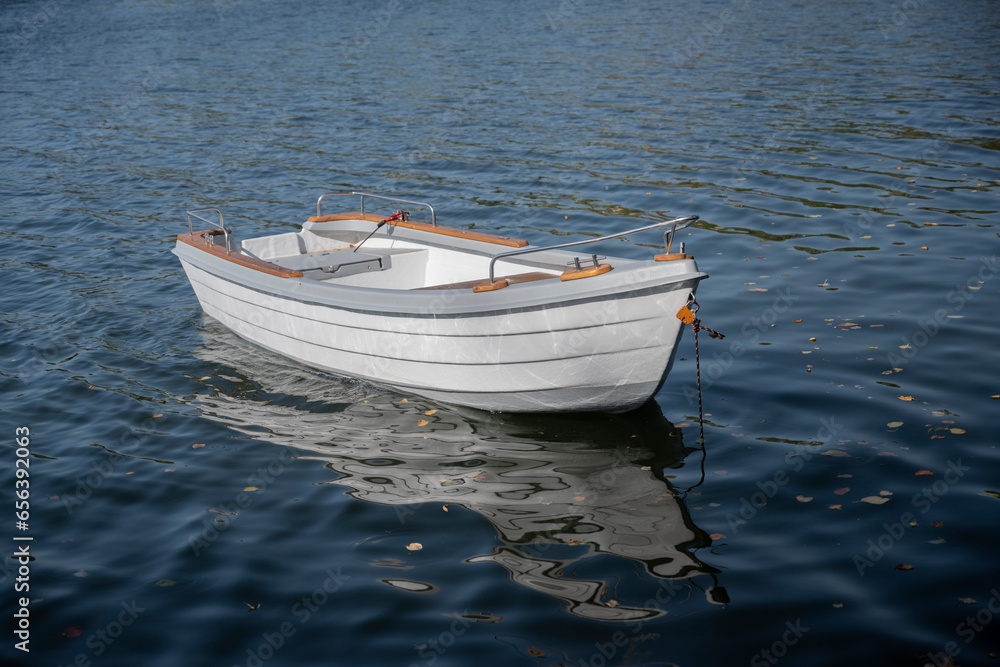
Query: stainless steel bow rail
{"type": "Point", "coordinates": [319, 202]}
{"type": "Point", "coordinates": [225, 232]}
{"type": "Point", "coordinates": [668, 238]}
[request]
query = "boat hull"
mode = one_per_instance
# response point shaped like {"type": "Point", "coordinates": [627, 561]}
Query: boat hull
{"type": "Point", "coordinates": [608, 350]}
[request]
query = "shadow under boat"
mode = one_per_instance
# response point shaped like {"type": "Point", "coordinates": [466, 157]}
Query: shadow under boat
{"type": "Point", "coordinates": [558, 489]}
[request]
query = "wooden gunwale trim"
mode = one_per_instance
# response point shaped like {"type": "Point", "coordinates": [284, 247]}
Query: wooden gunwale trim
{"type": "Point", "coordinates": [427, 227]}
{"type": "Point", "coordinates": [236, 257]}
{"type": "Point", "coordinates": [484, 284]}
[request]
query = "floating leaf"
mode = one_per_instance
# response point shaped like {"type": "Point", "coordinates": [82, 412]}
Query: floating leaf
{"type": "Point", "coordinates": [250, 488]}
{"type": "Point", "coordinates": [904, 566]}
{"type": "Point", "coordinates": [906, 398]}
{"type": "Point", "coordinates": [423, 422]}
{"type": "Point", "coordinates": [923, 472]}
{"type": "Point", "coordinates": [835, 507]}
{"type": "Point", "coordinates": [579, 498]}
{"type": "Point", "coordinates": [938, 524]}
{"type": "Point", "coordinates": [894, 424]}
{"type": "Point", "coordinates": [836, 452]}
{"type": "Point", "coordinates": [198, 445]}
{"type": "Point", "coordinates": [75, 631]}
{"type": "Point", "coordinates": [842, 490]}
{"type": "Point", "coordinates": [717, 536]}
{"type": "Point", "coordinates": [957, 431]}
{"type": "Point", "coordinates": [885, 493]}
{"type": "Point", "coordinates": [163, 583]}
{"type": "Point", "coordinates": [430, 412]}
{"type": "Point", "coordinates": [803, 499]}
{"type": "Point", "coordinates": [874, 500]}
{"type": "Point", "coordinates": [414, 546]}
{"type": "Point", "coordinates": [612, 603]}
{"type": "Point", "coordinates": [157, 415]}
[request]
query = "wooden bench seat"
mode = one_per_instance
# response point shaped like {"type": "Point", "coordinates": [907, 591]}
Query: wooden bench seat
{"type": "Point", "coordinates": [511, 280]}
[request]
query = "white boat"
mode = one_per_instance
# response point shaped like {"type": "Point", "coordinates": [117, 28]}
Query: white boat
{"type": "Point", "coordinates": [454, 315]}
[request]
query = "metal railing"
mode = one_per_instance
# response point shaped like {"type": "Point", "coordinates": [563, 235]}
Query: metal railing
{"type": "Point", "coordinates": [225, 232]}
{"type": "Point", "coordinates": [319, 202]}
{"type": "Point", "coordinates": [676, 224]}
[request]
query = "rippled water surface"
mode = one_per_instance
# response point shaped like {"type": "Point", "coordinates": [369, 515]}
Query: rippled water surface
{"type": "Point", "coordinates": [195, 501]}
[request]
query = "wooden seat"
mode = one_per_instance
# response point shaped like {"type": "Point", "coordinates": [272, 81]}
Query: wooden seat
{"type": "Point", "coordinates": [511, 280]}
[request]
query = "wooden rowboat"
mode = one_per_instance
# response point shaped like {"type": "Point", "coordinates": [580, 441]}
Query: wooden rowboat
{"type": "Point", "coordinates": [455, 315]}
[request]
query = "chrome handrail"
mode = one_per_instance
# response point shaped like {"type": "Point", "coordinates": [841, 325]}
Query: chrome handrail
{"type": "Point", "coordinates": [678, 223]}
{"type": "Point", "coordinates": [225, 232]}
{"type": "Point", "coordinates": [319, 202]}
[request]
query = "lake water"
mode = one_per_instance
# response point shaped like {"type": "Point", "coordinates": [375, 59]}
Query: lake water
{"type": "Point", "coordinates": [195, 501]}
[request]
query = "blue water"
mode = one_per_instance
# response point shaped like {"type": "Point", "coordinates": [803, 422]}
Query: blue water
{"type": "Point", "coordinates": [196, 501]}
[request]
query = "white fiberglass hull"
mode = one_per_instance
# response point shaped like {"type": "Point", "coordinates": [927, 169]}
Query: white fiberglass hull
{"type": "Point", "coordinates": [607, 356]}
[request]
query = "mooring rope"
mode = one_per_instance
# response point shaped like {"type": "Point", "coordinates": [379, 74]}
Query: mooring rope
{"type": "Point", "coordinates": [687, 316]}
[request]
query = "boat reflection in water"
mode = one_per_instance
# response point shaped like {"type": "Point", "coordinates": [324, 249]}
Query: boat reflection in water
{"type": "Point", "coordinates": [558, 489]}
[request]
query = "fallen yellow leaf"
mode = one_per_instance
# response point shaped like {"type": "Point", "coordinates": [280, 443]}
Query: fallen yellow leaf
{"type": "Point", "coordinates": [250, 488]}
{"type": "Point", "coordinates": [423, 422]}
{"type": "Point", "coordinates": [906, 398]}
{"type": "Point", "coordinates": [414, 546]}
{"type": "Point", "coordinates": [430, 412]}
